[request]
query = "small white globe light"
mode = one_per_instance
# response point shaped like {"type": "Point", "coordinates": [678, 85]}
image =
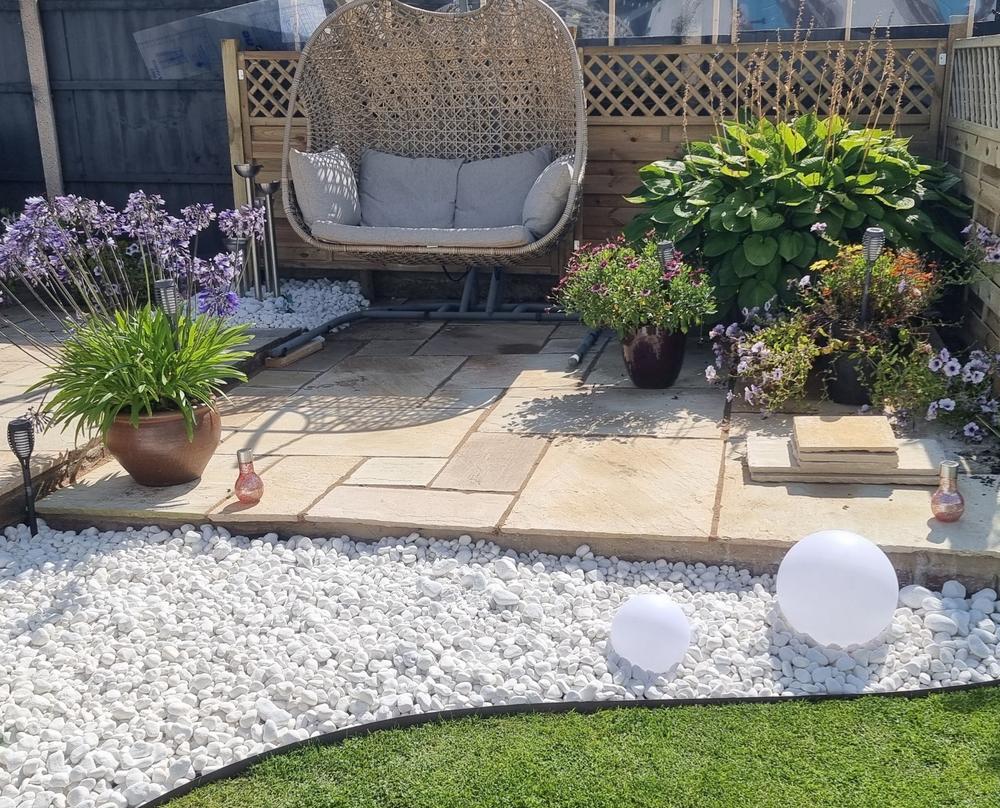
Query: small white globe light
{"type": "Point", "coordinates": [651, 632]}
{"type": "Point", "coordinates": [837, 587]}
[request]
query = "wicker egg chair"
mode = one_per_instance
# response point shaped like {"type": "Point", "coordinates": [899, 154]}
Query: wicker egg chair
{"type": "Point", "coordinates": [493, 82]}
{"type": "Point", "coordinates": [378, 74]}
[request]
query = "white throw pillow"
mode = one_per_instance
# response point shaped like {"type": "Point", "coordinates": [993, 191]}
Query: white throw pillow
{"type": "Point", "coordinates": [325, 187]}
{"type": "Point", "coordinates": [546, 200]}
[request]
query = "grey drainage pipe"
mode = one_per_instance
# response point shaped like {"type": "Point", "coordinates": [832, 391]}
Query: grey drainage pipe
{"type": "Point", "coordinates": [556, 707]}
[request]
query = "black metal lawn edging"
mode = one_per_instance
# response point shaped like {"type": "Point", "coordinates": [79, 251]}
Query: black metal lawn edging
{"type": "Point", "coordinates": [549, 707]}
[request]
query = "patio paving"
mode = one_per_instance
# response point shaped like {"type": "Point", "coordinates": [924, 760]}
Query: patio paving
{"type": "Point", "coordinates": [368, 440]}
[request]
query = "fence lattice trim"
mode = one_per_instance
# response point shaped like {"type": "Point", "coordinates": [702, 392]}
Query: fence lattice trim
{"type": "Point", "coordinates": [975, 84]}
{"type": "Point", "coordinates": [636, 83]}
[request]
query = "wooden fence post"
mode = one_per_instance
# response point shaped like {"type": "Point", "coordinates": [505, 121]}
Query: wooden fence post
{"type": "Point", "coordinates": [45, 117]}
{"type": "Point", "coordinates": [955, 32]}
{"type": "Point", "coordinates": [234, 117]}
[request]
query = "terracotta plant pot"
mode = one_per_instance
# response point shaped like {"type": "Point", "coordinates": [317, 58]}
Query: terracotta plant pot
{"type": "Point", "coordinates": [654, 357]}
{"type": "Point", "coordinates": [159, 453]}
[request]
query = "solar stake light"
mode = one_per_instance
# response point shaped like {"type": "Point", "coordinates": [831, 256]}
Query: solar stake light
{"type": "Point", "coordinates": [21, 437]}
{"type": "Point", "coordinates": [249, 171]}
{"type": "Point", "coordinates": [665, 250]}
{"type": "Point", "coordinates": [167, 296]}
{"type": "Point", "coordinates": [872, 243]}
{"type": "Point", "coordinates": [267, 192]}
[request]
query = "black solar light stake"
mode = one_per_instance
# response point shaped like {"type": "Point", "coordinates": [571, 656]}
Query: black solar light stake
{"type": "Point", "coordinates": [873, 244]}
{"type": "Point", "coordinates": [21, 437]}
{"type": "Point", "coordinates": [665, 250]}
{"type": "Point", "coordinates": [249, 172]}
{"type": "Point", "coordinates": [167, 297]}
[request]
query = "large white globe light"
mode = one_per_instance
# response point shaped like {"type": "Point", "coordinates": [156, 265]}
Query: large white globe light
{"type": "Point", "coordinates": [837, 587]}
{"type": "Point", "coordinates": [651, 632]}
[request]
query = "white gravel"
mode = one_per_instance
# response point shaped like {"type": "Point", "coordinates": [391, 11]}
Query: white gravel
{"type": "Point", "coordinates": [302, 304]}
{"type": "Point", "coordinates": [132, 661]}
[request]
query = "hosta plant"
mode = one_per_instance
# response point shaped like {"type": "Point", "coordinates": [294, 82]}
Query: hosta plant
{"type": "Point", "coordinates": [762, 200]}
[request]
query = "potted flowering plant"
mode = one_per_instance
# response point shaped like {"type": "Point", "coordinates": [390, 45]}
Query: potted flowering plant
{"type": "Point", "coordinates": [901, 288]}
{"type": "Point", "coordinates": [143, 377]}
{"type": "Point", "coordinates": [650, 297]}
{"type": "Point", "coordinates": [880, 358]}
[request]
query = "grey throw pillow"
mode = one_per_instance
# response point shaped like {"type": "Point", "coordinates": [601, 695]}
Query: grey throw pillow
{"type": "Point", "coordinates": [491, 193]}
{"type": "Point", "coordinates": [325, 187]}
{"type": "Point", "coordinates": [546, 200]}
{"type": "Point", "coordinates": [407, 191]}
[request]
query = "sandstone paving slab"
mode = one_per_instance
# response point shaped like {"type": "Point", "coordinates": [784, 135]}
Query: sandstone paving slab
{"type": "Point", "coordinates": [389, 347]}
{"type": "Point", "coordinates": [349, 506]}
{"type": "Point", "coordinates": [896, 517]}
{"type": "Point", "coordinates": [517, 371]}
{"type": "Point", "coordinates": [391, 329]}
{"type": "Point", "coordinates": [274, 377]}
{"type": "Point", "coordinates": [491, 462]}
{"type": "Point", "coordinates": [463, 339]}
{"type": "Point", "coordinates": [562, 346]}
{"type": "Point", "coordinates": [108, 491]}
{"type": "Point", "coordinates": [291, 485]}
{"type": "Point", "coordinates": [416, 376]}
{"type": "Point", "coordinates": [848, 433]}
{"type": "Point", "coordinates": [333, 351]}
{"type": "Point", "coordinates": [397, 471]}
{"type": "Point", "coordinates": [607, 487]}
{"type": "Point", "coordinates": [916, 461]}
{"type": "Point", "coordinates": [436, 436]}
{"type": "Point", "coordinates": [572, 330]}
{"type": "Point", "coordinates": [609, 370]}
{"type": "Point", "coordinates": [451, 397]}
{"type": "Point", "coordinates": [608, 411]}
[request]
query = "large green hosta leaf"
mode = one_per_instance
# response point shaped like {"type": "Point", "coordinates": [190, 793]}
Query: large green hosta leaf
{"type": "Point", "coordinates": [760, 249]}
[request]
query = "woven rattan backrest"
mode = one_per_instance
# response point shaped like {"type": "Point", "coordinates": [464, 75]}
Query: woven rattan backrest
{"type": "Point", "coordinates": [382, 75]}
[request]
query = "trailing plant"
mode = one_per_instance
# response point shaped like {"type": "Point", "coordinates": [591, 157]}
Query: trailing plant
{"type": "Point", "coordinates": [762, 200]}
{"type": "Point", "coordinates": [625, 287]}
{"type": "Point", "coordinates": [140, 362]}
{"type": "Point", "coordinates": [772, 358]}
{"type": "Point", "coordinates": [968, 398]}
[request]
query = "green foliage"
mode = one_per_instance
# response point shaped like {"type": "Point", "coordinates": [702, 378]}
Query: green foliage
{"type": "Point", "coordinates": [140, 362]}
{"type": "Point", "coordinates": [935, 752]}
{"type": "Point", "coordinates": [902, 378]}
{"type": "Point", "coordinates": [616, 285]}
{"type": "Point", "coordinates": [748, 200]}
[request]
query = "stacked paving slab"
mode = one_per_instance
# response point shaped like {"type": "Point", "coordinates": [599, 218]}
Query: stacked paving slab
{"type": "Point", "coordinates": [844, 449]}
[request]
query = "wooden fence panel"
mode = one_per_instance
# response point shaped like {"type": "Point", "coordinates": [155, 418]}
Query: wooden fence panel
{"type": "Point", "coordinates": [118, 129]}
{"type": "Point", "coordinates": [972, 145]}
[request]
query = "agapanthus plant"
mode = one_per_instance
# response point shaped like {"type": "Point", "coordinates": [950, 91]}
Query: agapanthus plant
{"type": "Point", "coordinates": [969, 400]}
{"type": "Point", "coordinates": [73, 258]}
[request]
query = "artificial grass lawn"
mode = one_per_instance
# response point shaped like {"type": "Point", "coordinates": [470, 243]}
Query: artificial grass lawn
{"type": "Point", "coordinates": [871, 753]}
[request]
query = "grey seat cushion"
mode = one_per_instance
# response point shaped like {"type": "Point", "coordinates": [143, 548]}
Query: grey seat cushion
{"type": "Point", "coordinates": [407, 191]}
{"type": "Point", "coordinates": [483, 237]}
{"type": "Point", "coordinates": [546, 200]}
{"type": "Point", "coordinates": [491, 193]}
{"type": "Point", "coordinates": [325, 187]}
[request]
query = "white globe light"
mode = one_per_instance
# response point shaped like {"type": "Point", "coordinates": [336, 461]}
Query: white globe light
{"type": "Point", "coordinates": [651, 632]}
{"type": "Point", "coordinates": [837, 587]}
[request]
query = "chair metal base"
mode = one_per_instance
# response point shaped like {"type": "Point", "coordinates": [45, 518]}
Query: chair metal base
{"type": "Point", "coordinates": [462, 311]}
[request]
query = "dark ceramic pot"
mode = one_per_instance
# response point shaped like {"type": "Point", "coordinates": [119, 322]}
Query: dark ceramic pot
{"type": "Point", "coordinates": [848, 380]}
{"type": "Point", "coordinates": [653, 356]}
{"type": "Point", "coordinates": [159, 453]}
